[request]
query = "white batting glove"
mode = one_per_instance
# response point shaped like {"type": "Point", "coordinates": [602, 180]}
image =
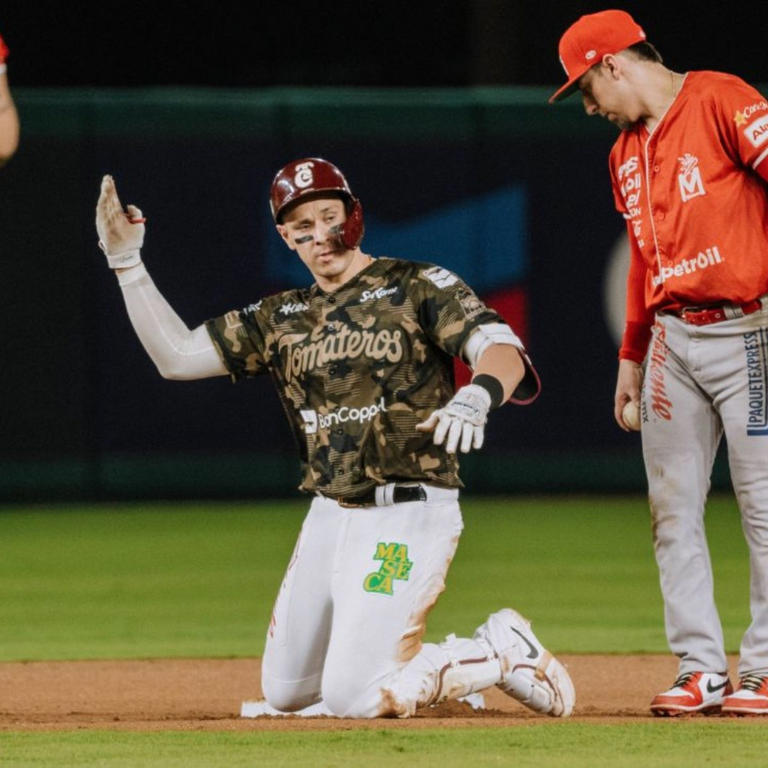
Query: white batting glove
{"type": "Point", "coordinates": [121, 233]}
{"type": "Point", "coordinates": [463, 418]}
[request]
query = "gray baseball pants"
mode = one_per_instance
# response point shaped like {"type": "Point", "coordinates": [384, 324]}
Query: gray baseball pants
{"type": "Point", "coordinates": [702, 382]}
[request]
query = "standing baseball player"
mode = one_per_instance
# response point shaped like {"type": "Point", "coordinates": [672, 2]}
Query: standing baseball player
{"type": "Point", "coordinates": [362, 362]}
{"type": "Point", "coordinates": [689, 173]}
{"type": "Point", "coordinates": [9, 119]}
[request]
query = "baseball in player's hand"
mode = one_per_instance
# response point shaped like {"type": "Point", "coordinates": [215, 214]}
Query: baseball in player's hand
{"type": "Point", "coordinates": [462, 419]}
{"type": "Point", "coordinates": [121, 232]}
{"type": "Point", "coordinates": [629, 382]}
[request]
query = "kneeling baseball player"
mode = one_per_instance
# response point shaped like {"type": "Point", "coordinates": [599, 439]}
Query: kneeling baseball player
{"type": "Point", "coordinates": [362, 361]}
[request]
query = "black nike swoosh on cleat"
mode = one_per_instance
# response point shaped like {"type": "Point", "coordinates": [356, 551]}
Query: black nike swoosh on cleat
{"type": "Point", "coordinates": [534, 653]}
{"type": "Point", "coordinates": [712, 689]}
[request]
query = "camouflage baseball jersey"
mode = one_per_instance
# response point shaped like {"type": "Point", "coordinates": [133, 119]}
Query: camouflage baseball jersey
{"type": "Point", "coordinates": [359, 368]}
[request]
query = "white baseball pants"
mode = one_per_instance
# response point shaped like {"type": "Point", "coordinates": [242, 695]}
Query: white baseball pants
{"type": "Point", "coordinates": [351, 612]}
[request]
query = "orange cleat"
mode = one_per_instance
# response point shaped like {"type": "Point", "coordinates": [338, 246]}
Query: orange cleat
{"type": "Point", "coordinates": [693, 692]}
{"type": "Point", "coordinates": [751, 698]}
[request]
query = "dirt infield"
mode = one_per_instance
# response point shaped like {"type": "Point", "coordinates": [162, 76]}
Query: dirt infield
{"type": "Point", "coordinates": [205, 694]}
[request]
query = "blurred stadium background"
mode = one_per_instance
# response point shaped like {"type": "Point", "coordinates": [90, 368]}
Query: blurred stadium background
{"type": "Point", "coordinates": [438, 116]}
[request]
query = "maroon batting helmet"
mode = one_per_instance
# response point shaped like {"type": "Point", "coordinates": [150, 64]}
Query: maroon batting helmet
{"type": "Point", "coordinates": [315, 176]}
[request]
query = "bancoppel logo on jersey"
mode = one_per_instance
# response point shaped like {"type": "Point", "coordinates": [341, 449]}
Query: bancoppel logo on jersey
{"type": "Point", "coordinates": [757, 132]}
{"type": "Point", "coordinates": [314, 420]}
{"type": "Point", "coordinates": [379, 293]}
{"type": "Point", "coordinates": [310, 421]}
{"type": "Point", "coordinates": [689, 178]}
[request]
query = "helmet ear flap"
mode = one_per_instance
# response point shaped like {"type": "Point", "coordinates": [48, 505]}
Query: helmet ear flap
{"type": "Point", "coordinates": [354, 228]}
{"type": "Point", "coordinates": [349, 234]}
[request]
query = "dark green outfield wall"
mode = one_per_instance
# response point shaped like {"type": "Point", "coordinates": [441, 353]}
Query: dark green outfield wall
{"type": "Point", "coordinates": [494, 183]}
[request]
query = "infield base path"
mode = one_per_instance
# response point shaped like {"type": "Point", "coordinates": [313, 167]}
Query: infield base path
{"type": "Point", "coordinates": [206, 694]}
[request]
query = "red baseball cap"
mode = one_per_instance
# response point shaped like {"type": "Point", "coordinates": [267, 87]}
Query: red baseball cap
{"type": "Point", "coordinates": [590, 38]}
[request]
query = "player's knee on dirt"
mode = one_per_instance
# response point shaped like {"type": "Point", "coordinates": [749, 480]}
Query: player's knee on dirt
{"type": "Point", "coordinates": [288, 695]}
{"type": "Point", "coordinates": [347, 695]}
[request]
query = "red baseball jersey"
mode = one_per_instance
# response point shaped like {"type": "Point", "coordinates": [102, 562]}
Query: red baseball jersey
{"type": "Point", "coordinates": [694, 199]}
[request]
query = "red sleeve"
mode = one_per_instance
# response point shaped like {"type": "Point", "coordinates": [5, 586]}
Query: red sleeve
{"type": "Point", "coordinates": [762, 168]}
{"type": "Point", "coordinates": [637, 328]}
{"type": "Point", "coordinates": [742, 115]}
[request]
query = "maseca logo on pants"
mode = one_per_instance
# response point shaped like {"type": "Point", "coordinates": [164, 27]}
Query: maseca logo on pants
{"type": "Point", "coordinates": [394, 565]}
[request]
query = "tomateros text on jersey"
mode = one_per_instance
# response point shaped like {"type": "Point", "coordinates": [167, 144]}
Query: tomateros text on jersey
{"type": "Point", "coordinates": [385, 344]}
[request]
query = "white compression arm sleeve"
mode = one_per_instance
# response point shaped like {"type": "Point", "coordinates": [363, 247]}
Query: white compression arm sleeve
{"type": "Point", "coordinates": [177, 352]}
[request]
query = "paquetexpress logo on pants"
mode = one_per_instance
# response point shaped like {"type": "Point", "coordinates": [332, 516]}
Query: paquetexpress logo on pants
{"type": "Point", "coordinates": [756, 351]}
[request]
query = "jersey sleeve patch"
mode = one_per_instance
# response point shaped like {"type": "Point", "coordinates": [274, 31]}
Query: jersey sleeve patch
{"type": "Point", "coordinates": [240, 346]}
{"type": "Point", "coordinates": [744, 117]}
{"type": "Point", "coordinates": [442, 278]}
{"type": "Point", "coordinates": [450, 310]}
{"type": "Point", "coordinates": [756, 131]}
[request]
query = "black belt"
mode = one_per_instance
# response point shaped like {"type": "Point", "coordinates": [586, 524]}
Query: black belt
{"type": "Point", "coordinates": [400, 494]}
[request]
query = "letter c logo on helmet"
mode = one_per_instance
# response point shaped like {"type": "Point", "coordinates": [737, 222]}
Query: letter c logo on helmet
{"type": "Point", "coordinates": [304, 176]}
{"type": "Point", "coordinates": [315, 176]}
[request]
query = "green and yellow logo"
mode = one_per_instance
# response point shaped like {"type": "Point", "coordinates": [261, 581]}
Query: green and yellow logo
{"type": "Point", "coordinates": [394, 565]}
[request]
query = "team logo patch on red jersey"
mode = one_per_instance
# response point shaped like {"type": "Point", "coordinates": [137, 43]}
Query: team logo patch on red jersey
{"type": "Point", "coordinates": [689, 178]}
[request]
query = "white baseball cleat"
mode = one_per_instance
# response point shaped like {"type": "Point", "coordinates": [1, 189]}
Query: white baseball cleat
{"type": "Point", "coordinates": [530, 673]}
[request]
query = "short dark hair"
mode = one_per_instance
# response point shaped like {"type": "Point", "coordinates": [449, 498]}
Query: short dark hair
{"type": "Point", "coordinates": [644, 50]}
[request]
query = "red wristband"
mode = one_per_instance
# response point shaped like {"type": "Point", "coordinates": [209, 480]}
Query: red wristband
{"type": "Point", "coordinates": [634, 345]}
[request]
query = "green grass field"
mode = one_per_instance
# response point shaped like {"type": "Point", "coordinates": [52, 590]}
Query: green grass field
{"type": "Point", "coordinates": [561, 745]}
{"type": "Point", "coordinates": [198, 580]}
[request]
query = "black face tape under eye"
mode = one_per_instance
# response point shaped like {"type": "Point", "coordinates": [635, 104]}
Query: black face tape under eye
{"type": "Point", "coordinates": [302, 239]}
